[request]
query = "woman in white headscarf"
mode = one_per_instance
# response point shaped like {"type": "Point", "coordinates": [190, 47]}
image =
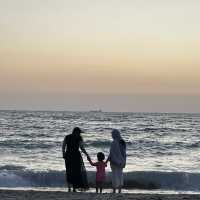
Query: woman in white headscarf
{"type": "Point", "coordinates": [117, 158]}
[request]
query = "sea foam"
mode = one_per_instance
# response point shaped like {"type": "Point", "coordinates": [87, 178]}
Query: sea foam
{"type": "Point", "coordinates": [19, 177]}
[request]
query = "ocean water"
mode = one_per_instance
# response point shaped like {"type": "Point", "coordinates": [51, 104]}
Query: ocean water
{"type": "Point", "coordinates": [163, 150]}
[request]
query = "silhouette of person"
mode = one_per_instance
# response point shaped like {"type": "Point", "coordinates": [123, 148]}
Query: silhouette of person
{"type": "Point", "coordinates": [75, 170]}
{"type": "Point", "coordinates": [117, 158]}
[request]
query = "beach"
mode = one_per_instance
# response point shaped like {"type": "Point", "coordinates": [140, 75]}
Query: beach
{"type": "Point", "coordinates": [56, 195]}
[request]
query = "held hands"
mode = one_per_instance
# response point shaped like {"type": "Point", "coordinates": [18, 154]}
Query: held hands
{"type": "Point", "coordinates": [89, 159]}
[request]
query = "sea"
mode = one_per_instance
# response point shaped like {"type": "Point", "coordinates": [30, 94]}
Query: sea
{"type": "Point", "coordinates": [163, 149]}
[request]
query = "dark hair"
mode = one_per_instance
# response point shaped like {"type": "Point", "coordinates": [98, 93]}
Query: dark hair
{"type": "Point", "coordinates": [77, 130]}
{"type": "Point", "coordinates": [100, 156]}
{"type": "Point", "coordinates": [77, 133]}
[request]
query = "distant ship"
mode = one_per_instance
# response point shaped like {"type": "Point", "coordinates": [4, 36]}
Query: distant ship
{"type": "Point", "coordinates": [96, 111]}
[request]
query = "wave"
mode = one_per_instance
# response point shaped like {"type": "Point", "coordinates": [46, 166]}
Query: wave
{"type": "Point", "coordinates": [194, 145]}
{"type": "Point", "coordinates": [102, 143]}
{"type": "Point", "coordinates": [98, 144]}
{"type": "Point", "coordinates": [163, 130]}
{"type": "Point", "coordinates": [12, 167]}
{"type": "Point", "coordinates": [15, 176]}
{"type": "Point", "coordinates": [29, 144]}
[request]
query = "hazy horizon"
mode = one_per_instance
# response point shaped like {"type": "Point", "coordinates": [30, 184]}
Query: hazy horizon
{"type": "Point", "coordinates": [136, 55]}
{"type": "Point", "coordinates": [106, 103]}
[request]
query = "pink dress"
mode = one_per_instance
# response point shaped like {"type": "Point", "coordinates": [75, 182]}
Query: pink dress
{"type": "Point", "coordinates": [101, 172]}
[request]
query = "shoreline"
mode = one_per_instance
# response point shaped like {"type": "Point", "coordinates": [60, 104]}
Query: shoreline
{"type": "Point", "coordinates": [8, 194]}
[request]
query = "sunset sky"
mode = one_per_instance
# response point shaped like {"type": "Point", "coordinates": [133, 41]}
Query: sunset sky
{"type": "Point", "coordinates": [132, 55]}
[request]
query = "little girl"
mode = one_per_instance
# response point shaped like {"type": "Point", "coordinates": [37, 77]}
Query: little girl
{"type": "Point", "coordinates": [100, 173]}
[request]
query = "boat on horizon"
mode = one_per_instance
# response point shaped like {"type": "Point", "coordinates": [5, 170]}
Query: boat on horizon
{"type": "Point", "coordinates": [96, 111]}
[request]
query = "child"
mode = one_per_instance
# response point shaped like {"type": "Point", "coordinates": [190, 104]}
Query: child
{"type": "Point", "coordinates": [100, 174]}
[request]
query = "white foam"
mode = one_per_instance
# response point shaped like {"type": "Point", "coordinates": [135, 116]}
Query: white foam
{"type": "Point", "coordinates": [139, 180]}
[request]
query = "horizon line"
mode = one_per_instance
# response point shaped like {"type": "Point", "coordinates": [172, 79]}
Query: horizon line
{"type": "Point", "coordinates": [92, 111]}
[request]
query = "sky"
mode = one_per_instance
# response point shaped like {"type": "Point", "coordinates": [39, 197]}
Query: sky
{"type": "Point", "coordinates": [132, 55]}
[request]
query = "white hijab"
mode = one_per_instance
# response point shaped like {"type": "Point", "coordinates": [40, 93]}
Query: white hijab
{"type": "Point", "coordinates": [117, 150]}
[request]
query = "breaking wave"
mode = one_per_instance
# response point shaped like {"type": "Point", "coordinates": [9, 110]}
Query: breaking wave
{"type": "Point", "coordinates": [18, 176]}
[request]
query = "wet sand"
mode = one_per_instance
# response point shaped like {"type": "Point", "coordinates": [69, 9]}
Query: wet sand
{"type": "Point", "coordinates": [55, 195]}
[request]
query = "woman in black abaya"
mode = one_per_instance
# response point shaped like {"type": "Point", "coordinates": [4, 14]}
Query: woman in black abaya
{"type": "Point", "coordinates": [75, 169]}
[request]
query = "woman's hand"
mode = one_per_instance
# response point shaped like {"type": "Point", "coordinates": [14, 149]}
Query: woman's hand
{"type": "Point", "coordinates": [88, 158]}
{"type": "Point", "coordinates": [83, 148]}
